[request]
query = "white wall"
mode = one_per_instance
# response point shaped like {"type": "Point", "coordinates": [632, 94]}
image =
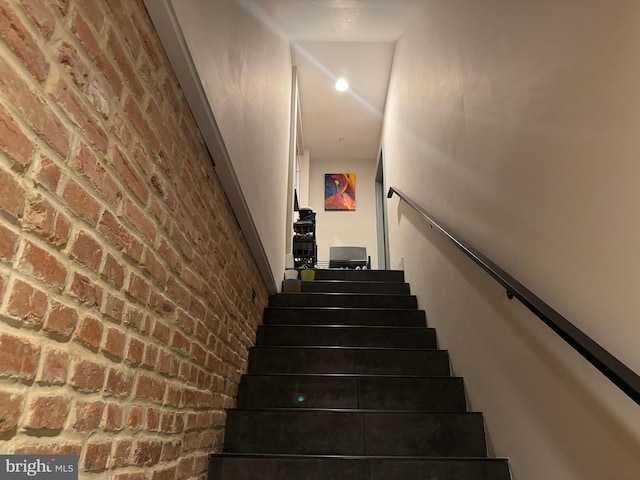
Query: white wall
{"type": "Point", "coordinates": [338, 228]}
{"type": "Point", "coordinates": [246, 71]}
{"type": "Point", "coordinates": [516, 124]}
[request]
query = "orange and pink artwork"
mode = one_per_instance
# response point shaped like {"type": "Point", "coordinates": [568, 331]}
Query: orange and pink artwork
{"type": "Point", "coordinates": [340, 191]}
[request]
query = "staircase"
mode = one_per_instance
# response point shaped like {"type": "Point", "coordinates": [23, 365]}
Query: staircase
{"type": "Point", "coordinates": [346, 383]}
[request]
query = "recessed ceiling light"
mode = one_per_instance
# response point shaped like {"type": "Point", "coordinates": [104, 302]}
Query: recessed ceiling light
{"type": "Point", "coordinates": [342, 84]}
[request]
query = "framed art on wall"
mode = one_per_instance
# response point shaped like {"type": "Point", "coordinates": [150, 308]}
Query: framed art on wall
{"type": "Point", "coordinates": [340, 191]}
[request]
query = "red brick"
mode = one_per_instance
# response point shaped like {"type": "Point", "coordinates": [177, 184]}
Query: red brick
{"type": "Point", "coordinates": [45, 219]}
{"type": "Point", "coordinates": [130, 33]}
{"type": "Point", "coordinates": [169, 255]}
{"type": "Point", "coordinates": [113, 418]}
{"type": "Point", "coordinates": [11, 195]}
{"type": "Point", "coordinates": [152, 419]}
{"type": "Point", "coordinates": [61, 321]}
{"type": "Point", "coordinates": [99, 99]}
{"type": "Point", "coordinates": [186, 322]}
{"type": "Point", "coordinates": [32, 106]}
{"type": "Point", "coordinates": [121, 130]}
{"type": "Point", "coordinates": [127, 172]}
{"type": "Point", "coordinates": [114, 308]}
{"type": "Point", "coordinates": [134, 418]}
{"type": "Point", "coordinates": [87, 250]}
{"type": "Point", "coordinates": [154, 267]}
{"type": "Point", "coordinates": [198, 353]}
{"type": "Point", "coordinates": [180, 240]}
{"type": "Point", "coordinates": [81, 202]}
{"type": "Point", "coordinates": [47, 174]}
{"type": "Point", "coordinates": [19, 358]}
{"type": "Point", "coordinates": [88, 416]}
{"type": "Point", "coordinates": [22, 43]}
{"type": "Point", "coordinates": [10, 409]}
{"type": "Point", "coordinates": [93, 13]}
{"type": "Point", "coordinates": [114, 343]}
{"type": "Point", "coordinates": [142, 160]}
{"type": "Point", "coordinates": [197, 308]}
{"type": "Point", "coordinates": [27, 303]}
{"type": "Point", "coordinates": [138, 288]}
{"type": "Point", "coordinates": [84, 118]}
{"type": "Point", "coordinates": [55, 367]}
{"type": "Point", "coordinates": [150, 388]}
{"type": "Point", "coordinates": [131, 476]}
{"type": "Point", "coordinates": [167, 363]}
{"type": "Point", "coordinates": [155, 118]}
{"type": "Point", "coordinates": [87, 376]}
{"type": "Point", "coordinates": [90, 43]}
{"type": "Point", "coordinates": [140, 123]}
{"type": "Point", "coordinates": [68, 56]}
{"type": "Point", "coordinates": [168, 419]}
{"type": "Point", "coordinates": [86, 291]}
{"type": "Point", "coordinates": [177, 293]}
{"type": "Point", "coordinates": [55, 448]}
{"type": "Point", "coordinates": [191, 278]}
{"type": "Point", "coordinates": [119, 382]}
{"type": "Point", "coordinates": [88, 165]}
{"type": "Point", "coordinates": [180, 342]}
{"type": "Point", "coordinates": [47, 412]}
{"type": "Point", "coordinates": [89, 332]}
{"type": "Point", "coordinates": [8, 244]}
{"type": "Point", "coordinates": [135, 352]}
{"type": "Point", "coordinates": [147, 452]}
{"type": "Point", "coordinates": [174, 396]}
{"type": "Point", "coordinates": [40, 14]}
{"type": "Point", "coordinates": [97, 456]}
{"type": "Point", "coordinates": [139, 221]}
{"type": "Point", "coordinates": [113, 271]}
{"type": "Point", "coordinates": [122, 454]}
{"type": "Point", "coordinates": [159, 304]}
{"type": "Point", "coordinates": [164, 474]}
{"type": "Point", "coordinates": [42, 265]}
{"type": "Point", "coordinates": [120, 236]}
{"type": "Point", "coordinates": [185, 468]}
{"type": "Point", "coordinates": [171, 450]}
{"type": "Point", "coordinates": [13, 141]}
{"type": "Point", "coordinates": [161, 332]}
{"type": "Point", "coordinates": [133, 318]}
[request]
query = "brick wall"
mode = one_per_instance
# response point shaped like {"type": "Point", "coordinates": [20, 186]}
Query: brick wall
{"type": "Point", "coordinates": [128, 294]}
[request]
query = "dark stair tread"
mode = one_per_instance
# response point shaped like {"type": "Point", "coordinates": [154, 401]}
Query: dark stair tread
{"type": "Point", "coordinates": [344, 316]}
{"type": "Point", "coordinates": [355, 411]}
{"type": "Point", "coordinates": [347, 336]}
{"type": "Point", "coordinates": [381, 392]}
{"type": "Point", "coordinates": [336, 467]}
{"type": "Point", "coordinates": [346, 286]}
{"type": "Point", "coordinates": [349, 360]}
{"type": "Point", "coordinates": [355, 432]}
{"type": "Point", "coordinates": [367, 300]}
{"type": "Point", "coordinates": [360, 275]}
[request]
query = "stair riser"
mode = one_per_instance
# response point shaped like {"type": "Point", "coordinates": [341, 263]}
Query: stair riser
{"type": "Point", "coordinates": [355, 469]}
{"type": "Point", "coordinates": [361, 275]}
{"type": "Point", "coordinates": [341, 316]}
{"type": "Point", "coordinates": [373, 393]}
{"type": "Point", "coordinates": [347, 337]}
{"type": "Point", "coordinates": [354, 433]}
{"type": "Point", "coordinates": [428, 363]}
{"type": "Point", "coordinates": [390, 288]}
{"type": "Point", "coordinates": [342, 300]}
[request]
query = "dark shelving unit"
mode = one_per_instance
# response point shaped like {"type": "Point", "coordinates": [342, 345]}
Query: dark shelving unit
{"type": "Point", "coordinates": [305, 250]}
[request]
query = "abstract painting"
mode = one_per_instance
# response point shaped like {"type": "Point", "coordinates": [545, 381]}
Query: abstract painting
{"type": "Point", "coordinates": [340, 191]}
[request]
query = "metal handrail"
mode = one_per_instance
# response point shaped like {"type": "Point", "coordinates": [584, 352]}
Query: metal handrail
{"type": "Point", "coordinates": [616, 371]}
